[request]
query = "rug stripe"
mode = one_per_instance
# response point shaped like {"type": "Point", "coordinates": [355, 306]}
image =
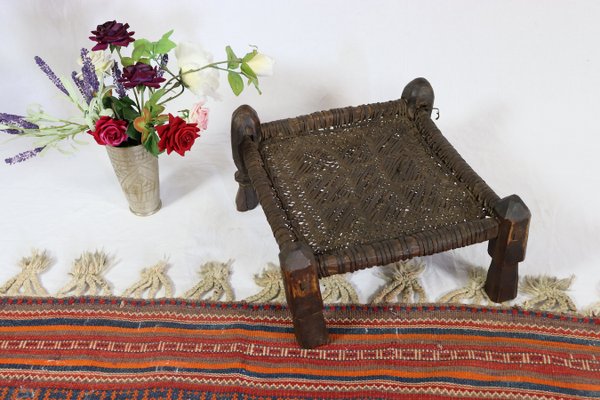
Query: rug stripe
{"type": "Point", "coordinates": [241, 351]}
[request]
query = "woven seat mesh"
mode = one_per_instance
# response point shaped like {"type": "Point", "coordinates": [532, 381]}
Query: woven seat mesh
{"type": "Point", "coordinates": [364, 182]}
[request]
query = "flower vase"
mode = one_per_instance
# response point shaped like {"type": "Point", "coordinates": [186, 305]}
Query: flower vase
{"type": "Point", "coordinates": [137, 172]}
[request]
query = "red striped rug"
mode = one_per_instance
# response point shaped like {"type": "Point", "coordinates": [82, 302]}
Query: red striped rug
{"type": "Point", "coordinates": [108, 348]}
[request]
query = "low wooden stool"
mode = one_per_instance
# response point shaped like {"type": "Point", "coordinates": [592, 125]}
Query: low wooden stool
{"type": "Point", "coordinates": [355, 187]}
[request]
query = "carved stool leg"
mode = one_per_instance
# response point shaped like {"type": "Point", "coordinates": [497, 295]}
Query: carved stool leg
{"type": "Point", "coordinates": [299, 270]}
{"type": "Point", "coordinates": [508, 249]}
{"type": "Point", "coordinates": [245, 125]}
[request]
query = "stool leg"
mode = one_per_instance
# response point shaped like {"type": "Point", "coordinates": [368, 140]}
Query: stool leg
{"type": "Point", "coordinates": [245, 125]}
{"type": "Point", "coordinates": [508, 249]}
{"type": "Point", "coordinates": [299, 270]}
{"type": "Point", "coordinates": [419, 96]}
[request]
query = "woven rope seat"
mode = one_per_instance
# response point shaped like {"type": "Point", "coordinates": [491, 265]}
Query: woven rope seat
{"type": "Point", "coordinates": [355, 187]}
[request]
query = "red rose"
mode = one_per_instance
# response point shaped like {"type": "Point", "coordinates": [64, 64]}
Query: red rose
{"type": "Point", "coordinates": [177, 135]}
{"type": "Point", "coordinates": [110, 131]}
{"type": "Point", "coordinates": [111, 33]}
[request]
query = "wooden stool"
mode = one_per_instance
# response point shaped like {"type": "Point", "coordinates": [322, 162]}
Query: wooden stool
{"type": "Point", "coordinates": [355, 187]}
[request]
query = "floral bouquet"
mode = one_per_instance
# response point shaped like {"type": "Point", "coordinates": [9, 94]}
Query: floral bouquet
{"type": "Point", "coordinates": [121, 99]}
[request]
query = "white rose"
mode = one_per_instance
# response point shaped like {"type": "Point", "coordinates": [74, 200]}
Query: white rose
{"type": "Point", "coordinates": [101, 60]}
{"type": "Point", "coordinates": [261, 64]}
{"type": "Point", "coordinates": [191, 56]}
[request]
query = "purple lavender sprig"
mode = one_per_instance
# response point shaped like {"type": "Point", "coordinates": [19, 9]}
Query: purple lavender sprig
{"type": "Point", "coordinates": [17, 121]}
{"type": "Point", "coordinates": [50, 74]}
{"type": "Point", "coordinates": [85, 92]}
{"type": "Point", "coordinates": [90, 79]}
{"type": "Point", "coordinates": [163, 63]}
{"type": "Point", "coordinates": [24, 156]}
{"type": "Point", "coordinates": [116, 73]}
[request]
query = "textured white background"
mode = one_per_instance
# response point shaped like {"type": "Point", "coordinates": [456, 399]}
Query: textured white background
{"type": "Point", "coordinates": [517, 83]}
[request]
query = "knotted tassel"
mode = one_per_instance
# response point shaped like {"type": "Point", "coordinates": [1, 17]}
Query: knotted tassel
{"type": "Point", "coordinates": [87, 276]}
{"type": "Point", "coordinates": [27, 282]}
{"type": "Point", "coordinates": [337, 289]}
{"type": "Point", "coordinates": [273, 289]}
{"type": "Point", "coordinates": [214, 277]}
{"type": "Point", "coordinates": [548, 293]}
{"type": "Point", "coordinates": [152, 280]}
{"type": "Point", "coordinates": [402, 282]}
{"type": "Point", "coordinates": [473, 291]}
{"type": "Point", "coordinates": [593, 310]}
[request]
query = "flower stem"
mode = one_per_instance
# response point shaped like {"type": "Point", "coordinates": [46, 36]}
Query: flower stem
{"type": "Point", "coordinates": [137, 100]}
{"type": "Point", "coordinates": [211, 65]}
{"type": "Point", "coordinates": [172, 97]}
{"type": "Point", "coordinates": [118, 49]}
{"type": "Point", "coordinates": [142, 91]}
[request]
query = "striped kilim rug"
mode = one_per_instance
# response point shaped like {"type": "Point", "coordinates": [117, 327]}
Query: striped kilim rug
{"type": "Point", "coordinates": [113, 348]}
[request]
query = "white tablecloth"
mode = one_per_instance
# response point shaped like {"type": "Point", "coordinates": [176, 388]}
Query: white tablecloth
{"type": "Point", "coordinates": [517, 85]}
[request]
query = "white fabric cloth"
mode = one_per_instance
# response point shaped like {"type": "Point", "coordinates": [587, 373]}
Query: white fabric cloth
{"type": "Point", "coordinates": [516, 83]}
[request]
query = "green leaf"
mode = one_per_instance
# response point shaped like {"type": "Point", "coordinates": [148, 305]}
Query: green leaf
{"type": "Point", "coordinates": [164, 45]}
{"type": "Point", "coordinates": [151, 143]}
{"type": "Point", "coordinates": [141, 48]}
{"type": "Point", "coordinates": [125, 100]}
{"type": "Point", "coordinates": [246, 70]}
{"type": "Point", "coordinates": [249, 56]}
{"type": "Point", "coordinates": [236, 83]}
{"type": "Point", "coordinates": [128, 113]}
{"type": "Point", "coordinates": [255, 83]}
{"type": "Point", "coordinates": [138, 53]}
{"type": "Point", "coordinates": [153, 100]}
{"type": "Point", "coordinates": [141, 43]}
{"type": "Point", "coordinates": [232, 59]}
{"type": "Point", "coordinates": [127, 61]}
{"type": "Point", "coordinates": [252, 78]}
{"type": "Point", "coordinates": [157, 110]}
{"type": "Point", "coordinates": [123, 108]}
{"type": "Point", "coordinates": [132, 133]}
{"type": "Point", "coordinates": [107, 102]}
{"type": "Point", "coordinates": [249, 73]}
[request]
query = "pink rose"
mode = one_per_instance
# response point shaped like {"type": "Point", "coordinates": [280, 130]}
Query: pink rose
{"type": "Point", "coordinates": [199, 115]}
{"type": "Point", "coordinates": [110, 131]}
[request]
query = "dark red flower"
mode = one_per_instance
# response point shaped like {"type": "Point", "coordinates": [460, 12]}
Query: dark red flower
{"type": "Point", "coordinates": [141, 74]}
{"type": "Point", "coordinates": [111, 32]}
{"type": "Point", "coordinates": [110, 131]}
{"type": "Point", "coordinates": [177, 135]}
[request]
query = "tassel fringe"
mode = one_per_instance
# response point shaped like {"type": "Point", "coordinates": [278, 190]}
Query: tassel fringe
{"type": "Point", "coordinates": [593, 310]}
{"type": "Point", "coordinates": [152, 280]}
{"type": "Point", "coordinates": [271, 282]}
{"type": "Point", "coordinates": [338, 289]}
{"type": "Point", "coordinates": [214, 278]}
{"type": "Point", "coordinates": [548, 293]}
{"type": "Point", "coordinates": [87, 276]}
{"type": "Point", "coordinates": [402, 283]}
{"type": "Point", "coordinates": [27, 282]}
{"type": "Point", "coordinates": [473, 291]}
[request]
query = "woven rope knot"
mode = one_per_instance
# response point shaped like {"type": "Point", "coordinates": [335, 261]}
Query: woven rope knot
{"type": "Point", "coordinates": [337, 289]}
{"type": "Point", "coordinates": [152, 280]}
{"type": "Point", "coordinates": [403, 281]}
{"type": "Point", "coordinates": [271, 282]}
{"type": "Point", "coordinates": [548, 293]}
{"type": "Point", "coordinates": [473, 291]}
{"type": "Point", "coordinates": [27, 282]}
{"type": "Point", "coordinates": [214, 278]}
{"type": "Point", "coordinates": [87, 276]}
